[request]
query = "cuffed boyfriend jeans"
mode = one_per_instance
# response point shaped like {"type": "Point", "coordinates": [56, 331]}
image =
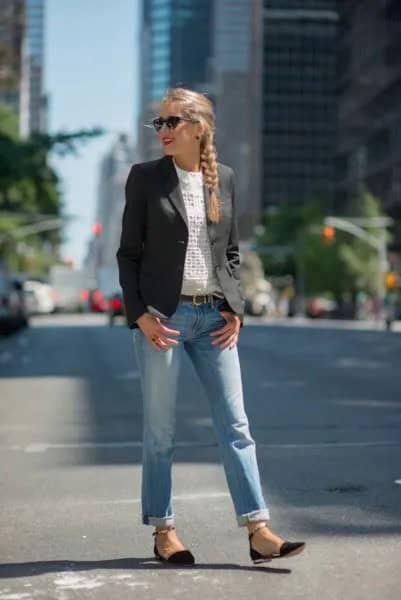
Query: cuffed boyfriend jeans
{"type": "Point", "coordinates": [220, 374]}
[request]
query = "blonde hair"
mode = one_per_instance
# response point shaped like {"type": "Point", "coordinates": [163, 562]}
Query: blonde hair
{"type": "Point", "coordinates": [198, 107]}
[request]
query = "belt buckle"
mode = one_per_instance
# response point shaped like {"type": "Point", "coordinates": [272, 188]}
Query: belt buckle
{"type": "Point", "coordinates": [194, 300]}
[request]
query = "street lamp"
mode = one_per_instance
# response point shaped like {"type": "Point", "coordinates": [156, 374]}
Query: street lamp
{"type": "Point", "coordinates": [354, 226]}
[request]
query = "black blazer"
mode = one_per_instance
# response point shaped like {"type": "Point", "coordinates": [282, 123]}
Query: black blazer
{"type": "Point", "coordinates": [154, 239]}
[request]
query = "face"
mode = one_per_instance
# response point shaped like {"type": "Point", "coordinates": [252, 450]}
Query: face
{"type": "Point", "coordinates": [182, 138]}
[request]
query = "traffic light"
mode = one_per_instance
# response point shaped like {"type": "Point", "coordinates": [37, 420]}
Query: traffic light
{"type": "Point", "coordinates": [328, 234]}
{"type": "Point", "coordinates": [391, 280]}
{"type": "Point", "coordinates": [97, 228]}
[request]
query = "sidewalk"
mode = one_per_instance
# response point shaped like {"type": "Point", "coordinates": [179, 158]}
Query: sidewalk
{"type": "Point", "coordinates": [369, 325]}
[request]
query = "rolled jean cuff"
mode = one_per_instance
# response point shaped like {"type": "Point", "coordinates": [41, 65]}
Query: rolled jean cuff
{"type": "Point", "coordinates": [256, 515]}
{"type": "Point", "coordinates": [159, 521]}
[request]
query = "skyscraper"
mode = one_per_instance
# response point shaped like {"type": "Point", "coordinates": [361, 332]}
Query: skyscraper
{"type": "Point", "coordinates": [299, 101]}
{"type": "Point", "coordinates": [370, 102]}
{"type": "Point", "coordinates": [176, 50]}
{"type": "Point", "coordinates": [214, 47]}
{"type": "Point", "coordinates": [237, 85]}
{"type": "Point", "coordinates": [113, 174]}
{"type": "Point", "coordinates": [33, 104]}
{"type": "Point", "coordinates": [21, 62]}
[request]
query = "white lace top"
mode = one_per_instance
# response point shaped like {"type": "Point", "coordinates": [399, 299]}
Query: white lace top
{"type": "Point", "coordinates": [199, 276]}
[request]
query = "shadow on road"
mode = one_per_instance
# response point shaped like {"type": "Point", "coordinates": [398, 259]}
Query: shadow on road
{"type": "Point", "coordinates": [30, 569]}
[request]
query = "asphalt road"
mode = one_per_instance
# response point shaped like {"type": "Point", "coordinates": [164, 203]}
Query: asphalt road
{"type": "Point", "coordinates": [324, 405]}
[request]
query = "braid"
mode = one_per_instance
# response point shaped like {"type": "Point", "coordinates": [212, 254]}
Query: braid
{"type": "Point", "coordinates": [198, 107]}
{"type": "Point", "coordinates": [208, 158]}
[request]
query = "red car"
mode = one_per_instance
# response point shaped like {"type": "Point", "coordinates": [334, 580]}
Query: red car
{"type": "Point", "coordinates": [96, 301]}
{"type": "Point", "coordinates": [115, 307]}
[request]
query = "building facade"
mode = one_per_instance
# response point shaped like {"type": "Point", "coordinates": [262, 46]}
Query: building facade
{"type": "Point", "coordinates": [236, 73]}
{"type": "Point", "coordinates": [12, 31]}
{"type": "Point", "coordinates": [113, 173]}
{"type": "Point", "coordinates": [299, 104]}
{"type": "Point", "coordinates": [214, 47]}
{"type": "Point", "coordinates": [369, 153]}
{"type": "Point", "coordinates": [176, 50]}
{"type": "Point", "coordinates": [33, 103]}
{"type": "Point", "coordinates": [21, 62]}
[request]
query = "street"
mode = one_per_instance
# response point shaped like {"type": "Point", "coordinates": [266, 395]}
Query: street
{"type": "Point", "coordinates": [324, 405]}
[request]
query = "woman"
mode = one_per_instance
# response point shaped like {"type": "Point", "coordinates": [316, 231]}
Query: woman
{"type": "Point", "coordinates": [179, 271]}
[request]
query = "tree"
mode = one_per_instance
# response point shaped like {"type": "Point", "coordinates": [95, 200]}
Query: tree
{"type": "Point", "coordinates": [346, 264]}
{"type": "Point", "coordinates": [29, 186]}
{"type": "Point", "coordinates": [361, 259]}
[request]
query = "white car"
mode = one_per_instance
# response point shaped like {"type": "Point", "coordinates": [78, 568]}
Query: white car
{"type": "Point", "coordinates": [40, 297]}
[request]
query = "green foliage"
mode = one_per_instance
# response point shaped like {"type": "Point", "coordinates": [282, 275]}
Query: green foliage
{"type": "Point", "coordinates": [8, 122]}
{"type": "Point", "coordinates": [346, 265]}
{"type": "Point", "coordinates": [29, 186]}
{"type": "Point", "coordinates": [361, 259]}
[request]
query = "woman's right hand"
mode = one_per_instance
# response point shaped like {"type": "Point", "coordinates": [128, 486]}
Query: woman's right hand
{"type": "Point", "coordinates": [156, 331]}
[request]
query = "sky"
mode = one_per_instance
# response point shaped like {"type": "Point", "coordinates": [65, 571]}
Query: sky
{"type": "Point", "coordinates": [91, 77]}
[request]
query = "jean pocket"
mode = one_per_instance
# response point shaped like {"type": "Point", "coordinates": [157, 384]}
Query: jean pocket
{"type": "Point", "coordinates": [220, 304]}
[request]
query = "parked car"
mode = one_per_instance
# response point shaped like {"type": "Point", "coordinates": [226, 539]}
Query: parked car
{"type": "Point", "coordinates": [96, 301]}
{"type": "Point", "coordinates": [40, 297]}
{"type": "Point", "coordinates": [13, 311]}
{"type": "Point", "coordinates": [67, 284]}
{"type": "Point", "coordinates": [319, 307]}
{"type": "Point", "coordinates": [115, 307]}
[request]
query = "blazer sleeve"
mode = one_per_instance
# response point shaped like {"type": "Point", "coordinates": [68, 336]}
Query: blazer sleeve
{"type": "Point", "coordinates": [232, 251]}
{"type": "Point", "coordinates": [131, 244]}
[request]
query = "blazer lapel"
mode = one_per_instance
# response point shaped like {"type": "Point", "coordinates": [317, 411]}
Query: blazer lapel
{"type": "Point", "coordinates": [172, 188]}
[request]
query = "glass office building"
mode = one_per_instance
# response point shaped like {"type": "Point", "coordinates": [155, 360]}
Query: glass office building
{"type": "Point", "coordinates": [299, 101]}
{"type": "Point", "coordinates": [176, 50]}
{"type": "Point", "coordinates": [33, 108]}
{"type": "Point", "coordinates": [370, 103]}
{"type": "Point", "coordinates": [21, 62]}
{"type": "Point", "coordinates": [237, 86]}
{"type": "Point", "coordinates": [215, 47]}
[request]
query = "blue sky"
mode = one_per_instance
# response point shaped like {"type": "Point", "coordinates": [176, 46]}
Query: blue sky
{"type": "Point", "coordinates": [91, 67]}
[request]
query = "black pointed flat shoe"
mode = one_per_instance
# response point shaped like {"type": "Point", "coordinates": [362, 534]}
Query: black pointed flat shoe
{"type": "Point", "coordinates": [286, 549]}
{"type": "Point", "coordinates": [182, 557]}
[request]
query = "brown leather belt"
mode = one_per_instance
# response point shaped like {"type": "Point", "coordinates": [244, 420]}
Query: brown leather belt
{"type": "Point", "coordinates": [198, 299]}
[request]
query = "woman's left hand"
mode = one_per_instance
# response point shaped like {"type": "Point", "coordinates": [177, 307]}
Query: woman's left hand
{"type": "Point", "coordinates": [227, 335]}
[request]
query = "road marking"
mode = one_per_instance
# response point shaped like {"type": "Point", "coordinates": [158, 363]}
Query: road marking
{"type": "Point", "coordinates": [398, 481]}
{"type": "Point", "coordinates": [74, 581]}
{"type": "Point", "coordinates": [17, 596]}
{"type": "Point", "coordinates": [44, 446]}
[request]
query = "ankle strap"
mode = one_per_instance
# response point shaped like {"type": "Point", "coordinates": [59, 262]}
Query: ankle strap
{"type": "Point", "coordinates": [256, 528]}
{"type": "Point", "coordinates": [163, 530]}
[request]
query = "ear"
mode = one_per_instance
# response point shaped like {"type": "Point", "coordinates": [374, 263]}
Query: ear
{"type": "Point", "coordinates": [200, 128]}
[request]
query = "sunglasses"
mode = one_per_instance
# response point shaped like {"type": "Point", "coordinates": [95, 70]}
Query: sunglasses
{"type": "Point", "coordinates": [171, 122]}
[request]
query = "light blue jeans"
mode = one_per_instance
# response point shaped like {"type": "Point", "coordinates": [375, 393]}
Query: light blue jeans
{"type": "Point", "coordinates": [220, 374]}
